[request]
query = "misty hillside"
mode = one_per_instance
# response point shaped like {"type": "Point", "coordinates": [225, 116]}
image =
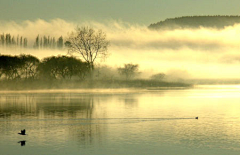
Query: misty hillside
{"type": "Point", "coordinates": [196, 22]}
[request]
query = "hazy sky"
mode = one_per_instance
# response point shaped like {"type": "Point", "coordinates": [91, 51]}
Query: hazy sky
{"type": "Point", "coordinates": [133, 11]}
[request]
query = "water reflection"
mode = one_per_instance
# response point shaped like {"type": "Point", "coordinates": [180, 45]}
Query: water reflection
{"type": "Point", "coordinates": [48, 116]}
{"type": "Point", "coordinates": [129, 100]}
{"type": "Point", "coordinates": [45, 105]}
{"type": "Point", "coordinates": [22, 143]}
{"type": "Point", "coordinates": [53, 116]}
{"type": "Point", "coordinates": [122, 123]}
{"type": "Point", "coordinates": [57, 105]}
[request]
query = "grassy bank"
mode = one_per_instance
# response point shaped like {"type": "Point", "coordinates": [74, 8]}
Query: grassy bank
{"type": "Point", "coordinates": [77, 84]}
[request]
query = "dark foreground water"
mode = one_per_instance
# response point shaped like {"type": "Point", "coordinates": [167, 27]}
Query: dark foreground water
{"type": "Point", "coordinates": [127, 122]}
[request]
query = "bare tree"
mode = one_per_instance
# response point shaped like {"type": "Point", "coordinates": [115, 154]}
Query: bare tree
{"type": "Point", "coordinates": [90, 44]}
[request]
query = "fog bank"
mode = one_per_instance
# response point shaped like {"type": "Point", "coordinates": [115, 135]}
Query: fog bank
{"type": "Point", "coordinates": [192, 53]}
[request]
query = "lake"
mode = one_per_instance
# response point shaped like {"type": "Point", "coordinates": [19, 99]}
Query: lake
{"type": "Point", "coordinates": [121, 121]}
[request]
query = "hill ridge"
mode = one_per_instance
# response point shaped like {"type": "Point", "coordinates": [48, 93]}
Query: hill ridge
{"type": "Point", "coordinates": [210, 21]}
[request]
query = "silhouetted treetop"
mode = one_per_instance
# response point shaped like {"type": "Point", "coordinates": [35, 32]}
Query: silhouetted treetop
{"type": "Point", "coordinates": [62, 67]}
{"type": "Point", "coordinates": [90, 44]}
{"type": "Point", "coordinates": [17, 67]}
{"type": "Point", "coordinates": [218, 22]}
{"type": "Point", "coordinates": [7, 40]}
{"type": "Point", "coordinates": [129, 70]}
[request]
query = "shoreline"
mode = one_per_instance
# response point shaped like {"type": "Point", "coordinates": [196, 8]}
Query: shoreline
{"type": "Point", "coordinates": [92, 90]}
{"type": "Point", "coordinates": [32, 85]}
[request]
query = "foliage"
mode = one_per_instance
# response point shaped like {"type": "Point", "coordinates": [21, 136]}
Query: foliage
{"type": "Point", "coordinates": [103, 72]}
{"type": "Point", "coordinates": [48, 42]}
{"type": "Point", "coordinates": [27, 72]}
{"type": "Point", "coordinates": [9, 41]}
{"type": "Point", "coordinates": [62, 67]}
{"type": "Point", "coordinates": [29, 66]}
{"type": "Point", "coordinates": [9, 66]}
{"type": "Point", "coordinates": [158, 76]}
{"type": "Point", "coordinates": [128, 71]}
{"type": "Point", "coordinates": [13, 67]}
{"type": "Point", "coordinates": [90, 44]}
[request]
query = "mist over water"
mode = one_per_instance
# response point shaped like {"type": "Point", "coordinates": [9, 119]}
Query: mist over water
{"type": "Point", "coordinates": [122, 122]}
{"type": "Point", "coordinates": [188, 53]}
{"type": "Point", "coordinates": [65, 116]}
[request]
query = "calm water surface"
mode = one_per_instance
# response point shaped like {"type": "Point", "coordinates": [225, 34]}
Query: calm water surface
{"type": "Point", "coordinates": [113, 122]}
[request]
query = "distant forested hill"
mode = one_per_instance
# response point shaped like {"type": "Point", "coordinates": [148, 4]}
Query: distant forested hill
{"type": "Point", "coordinates": [196, 22]}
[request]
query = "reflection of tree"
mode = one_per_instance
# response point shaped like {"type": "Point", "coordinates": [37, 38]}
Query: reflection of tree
{"type": "Point", "coordinates": [66, 105]}
{"type": "Point", "coordinates": [75, 110]}
{"type": "Point", "coordinates": [87, 133]}
{"type": "Point", "coordinates": [130, 100]}
{"type": "Point", "coordinates": [12, 105]}
{"type": "Point", "coordinates": [46, 105]}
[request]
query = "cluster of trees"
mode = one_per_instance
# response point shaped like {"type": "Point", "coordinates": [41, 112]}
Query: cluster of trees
{"type": "Point", "coordinates": [30, 67]}
{"type": "Point", "coordinates": [8, 40]}
{"type": "Point", "coordinates": [196, 22]}
{"type": "Point", "coordinates": [13, 67]}
{"type": "Point", "coordinates": [63, 67]}
{"type": "Point", "coordinates": [57, 67]}
{"type": "Point", "coordinates": [129, 71]}
{"type": "Point", "coordinates": [86, 42]}
{"type": "Point", "coordinates": [48, 42]}
{"type": "Point", "coordinates": [89, 43]}
{"type": "Point", "coordinates": [158, 76]}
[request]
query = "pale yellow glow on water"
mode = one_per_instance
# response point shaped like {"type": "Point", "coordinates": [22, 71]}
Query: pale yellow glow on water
{"type": "Point", "coordinates": [146, 119]}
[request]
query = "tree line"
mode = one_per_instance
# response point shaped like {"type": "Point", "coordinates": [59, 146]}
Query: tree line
{"type": "Point", "coordinates": [48, 42]}
{"type": "Point", "coordinates": [8, 40]}
{"type": "Point", "coordinates": [86, 42]}
{"type": "Point", "coordinates": [54, 67]}
{"type": "Point", "coordinates": [30, 67]}
{"type": "Point", "coordinates": [44, 42]}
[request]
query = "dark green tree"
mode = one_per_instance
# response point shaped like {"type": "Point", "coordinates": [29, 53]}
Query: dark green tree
{"type": "Point", "coordinates": [10, 66]}
{"type": "Point", "coordinates": [25, 42]}
{"type": "Point", "coordinates": [13, 41]}
{"type": "Point", "coordinates": [45, 42]}
{"type": "Point", "coordinates": [37, 43]}
{"type": "Point", "coordinates": [8, 40]}
{"type": "Point", "coordinates": [29, 67]}
{"type": "Point", "coordinates": [2, 39]}
{"type": "Point", "coordinates": [21, 41]}
{"type": "Point", "coordinates": [18, 40]}
{"type": "Point", "coordinates": [53, 43]}
{"type": "Point", "coordinates": [60, 42]}
{"type": "Point", "coordinates": [62, 67]}
{"type": "Point", "coordinates": [41, 43]}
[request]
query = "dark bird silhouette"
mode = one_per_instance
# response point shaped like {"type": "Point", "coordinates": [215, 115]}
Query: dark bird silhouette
{"type": "Point", "coordinates": [23, 132]}
{"type": "Point", "coordinates": [23, 142]}
{"type": "Point", "coordinates": [196, 117]}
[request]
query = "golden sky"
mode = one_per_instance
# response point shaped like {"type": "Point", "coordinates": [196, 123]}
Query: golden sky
{"type": "Point", "coordinates": [191, 53]}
